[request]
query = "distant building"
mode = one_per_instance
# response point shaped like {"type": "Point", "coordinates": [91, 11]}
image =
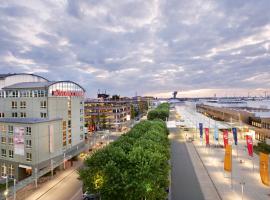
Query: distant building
{"type": "Point", "coordinates": [238, 111]}
{"type": "Point", "coordinates": [114, 113]}
{"type": "Point", "coordinates": [41, 123]}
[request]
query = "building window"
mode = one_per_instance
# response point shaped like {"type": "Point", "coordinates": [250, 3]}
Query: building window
{"type": "Point", "coordinates": [14, 104]}
{"type": "Point", "coordinates": [11, 153]}
{"type": "Point", "coordinates": [10, 140]}
{"type": "Point", "coordinates": [4, 153]}
{"type": "Point", "coordinates": [43, 115]}
{"type": "Point", "coordinates": [69, 123]}
{"type": "Point", "coordinates": [28, 144]}
{"type": "Point", "coordinates": [2, 94]}
{"type": "Point", "coordinates": [3, 140]}
{"type": "Point", "coordinates": [14, 114]}
{"type": "Point", "coordinates": [43, 104]}
{"type": "Point", "coordinates": [2, 128]}
{"type": "Point", "coordinates": [23, 104]}
{"type": "Point", "coordinates": [23, 114]}
{"type": "Point", "coordinates": [3, 170]}
{"type": "Point", "coordinates": [2, 115]}
{"type": "Point", "coordinates": [10, 129]}
{"type": "Point", "coordinates": [11, 170]}
{"type": "Point", "coordinates": [35, 93]}
{"type": "Point", "coordinates": [28, 130]}
{"type": "Point", "coordinates": [28, 157]}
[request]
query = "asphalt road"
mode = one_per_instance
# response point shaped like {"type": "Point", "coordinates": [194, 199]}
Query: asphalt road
{"type": "Point", "coordinates": [184, 182]}
{"type": "Point", "coordinates": [68, 188]}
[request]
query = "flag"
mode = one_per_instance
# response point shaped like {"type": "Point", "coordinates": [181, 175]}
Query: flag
{"type": "Point", "coordinates": [249, 145]}
{"type": "Point", "coordinates": [201, 129]}
{"type": "Point", "coordinates": [264, 168]}
{"type": "Point", "coordinates": [228, 158]}
{"type": "Point", "coordinates": [234, 130]}
{"type": "Point", "coordinates": [207, 136]}
{"type": "Point", "coordinates": [216, 133]}
{"type": "Point", "coordinates": [225, 138]}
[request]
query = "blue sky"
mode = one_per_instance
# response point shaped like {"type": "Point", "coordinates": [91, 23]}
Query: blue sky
{"type": "Point", "coordinates": [152, 47]}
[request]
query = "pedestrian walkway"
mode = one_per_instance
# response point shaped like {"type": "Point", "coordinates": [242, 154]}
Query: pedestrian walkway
{"type": "Point", "coordinates": [245, 172]}
{"type": "Point", "coordinates": [208, 188]}
{"type": "Point", "coordinates": [245, 169]}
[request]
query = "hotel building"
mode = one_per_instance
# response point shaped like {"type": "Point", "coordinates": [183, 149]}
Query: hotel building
{"type": "Point", "coordinates": [41, 123]}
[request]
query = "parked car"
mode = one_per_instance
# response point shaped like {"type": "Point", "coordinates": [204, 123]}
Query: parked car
{"type": "Point", "coordinates": [89, 196]}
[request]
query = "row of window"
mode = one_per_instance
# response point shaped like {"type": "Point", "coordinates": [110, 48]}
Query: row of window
{"type": "Point", "coordinates": [10, 141]}
{"type": "Point", "coordinates": [7, 170]}
{"type": "Point", "coordinates": [11, 129]}
{"type": "Point", "coordinates": [14, 104]}
{"type": "Point", "coordinates": [4, 153]}
{"type": "Point", "coordinates": [11, 154]}
{"type": "Point", "coordinates": [23, 115]}
{"type": "Point", "coordinates": [23, 93]}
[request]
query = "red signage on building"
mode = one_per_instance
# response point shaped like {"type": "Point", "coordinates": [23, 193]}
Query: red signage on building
{"type": "Point", "coordinates": [67, 93]}
{"type": "Point", "coordinates": [207, 135]}
{"type": "Point", "coordinates": [225, 138]}
{"type": "Point", "coordinates": [249, 145]}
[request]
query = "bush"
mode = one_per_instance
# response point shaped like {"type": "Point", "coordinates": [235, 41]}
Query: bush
{"type": "Point", "coordinates": [262, 147]}
{"type": "Point", "coordinates": [134, 167]}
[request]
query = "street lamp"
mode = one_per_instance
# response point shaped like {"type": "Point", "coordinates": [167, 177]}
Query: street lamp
{"type": "Point", "coordinates": [6, 194]}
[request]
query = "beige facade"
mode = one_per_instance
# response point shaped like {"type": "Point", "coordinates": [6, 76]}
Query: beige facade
{"type": "Point", "coordinates": [41, 124]}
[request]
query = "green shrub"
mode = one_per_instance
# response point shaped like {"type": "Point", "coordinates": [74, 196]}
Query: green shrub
{"type": "Point", "coordinates": [262, 147]}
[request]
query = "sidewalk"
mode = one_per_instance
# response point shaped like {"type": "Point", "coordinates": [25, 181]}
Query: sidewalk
{"type": "Point", "coordinates": [31, 193]}
{"type": "Point", "coordinates": [230, 189]}
{"type": "Point", "coordinates": [208, 188]}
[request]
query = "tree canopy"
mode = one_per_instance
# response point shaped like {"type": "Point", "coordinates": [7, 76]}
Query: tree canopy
{"type": "Point", "coordinates": [134, 167]}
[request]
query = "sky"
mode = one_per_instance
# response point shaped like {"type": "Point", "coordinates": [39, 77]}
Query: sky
{"type": "Point", "coordinates": [144, 47]}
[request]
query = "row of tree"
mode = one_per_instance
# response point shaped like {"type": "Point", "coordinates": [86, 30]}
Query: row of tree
{"type": "Point", "coordinates": [134, 167]}
{"type": "Point", "coordinates": [161, 112]}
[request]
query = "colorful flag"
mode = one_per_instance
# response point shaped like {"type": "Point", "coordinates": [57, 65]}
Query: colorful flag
{"type": "Point", "coordinates": [225, 138]}
{"type": "Point", "coordinates": [228, 158]}
{"type": "Point", "coordinates": [264, 168]}
{"type": "Point", "coordinates": [207, 136]}
{"type": "Point", "coordinates": [216, 133]}
{"type": "Point", "coordinates": [249, 145]}
{"type": "Point", "coordinates": [201, 129]}
{"type": "Point", "coordinates": [234, 130]}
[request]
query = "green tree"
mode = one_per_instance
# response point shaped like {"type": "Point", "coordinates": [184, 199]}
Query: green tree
{"type": "Point", "coordinates": [134, 167]}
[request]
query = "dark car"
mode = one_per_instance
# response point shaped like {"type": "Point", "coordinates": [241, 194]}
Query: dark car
{"type": "Point", "coordinates": [88, 196]}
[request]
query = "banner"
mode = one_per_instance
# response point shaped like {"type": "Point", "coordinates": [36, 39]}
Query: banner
{"type": "Point", "coordinates": [216, 133]}
{"type": "Point", "coordinates": [234, 130]}
{"type": "Point", "coordinates": [249, 145]}
{"type": "Point", "coordinates": [264, 168]}
{"type": "Point", "coordinates": [225, 138]}
{"type": "Point", "coordinates": [18, 139]}
{"type": "Point", "coordinates": [228, 158]}
{"type": "Point", "coordinates": [207, 136]}
{"type": "Point", "coordinates": [201, 129]}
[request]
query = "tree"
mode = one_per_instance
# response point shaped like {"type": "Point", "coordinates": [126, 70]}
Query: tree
{"type": "Point", "coordinates": [134, 167]}
{"type": "Point", "coordinates": [132, 112]}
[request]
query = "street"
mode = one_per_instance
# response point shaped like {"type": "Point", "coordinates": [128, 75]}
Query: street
{"type": "Point", "coordinates": [184, 184]}
{"type": "Point", "coordinates": [66, 188]}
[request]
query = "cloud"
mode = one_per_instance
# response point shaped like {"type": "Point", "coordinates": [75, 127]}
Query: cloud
{"type": "Point", "coordinates": [148, 47]}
